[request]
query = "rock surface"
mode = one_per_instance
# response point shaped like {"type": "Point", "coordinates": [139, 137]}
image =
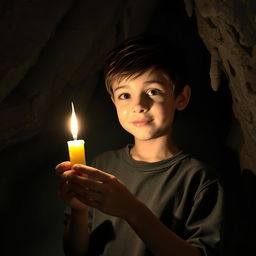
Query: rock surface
{"type": "Point", "coordinates": [228, 29]}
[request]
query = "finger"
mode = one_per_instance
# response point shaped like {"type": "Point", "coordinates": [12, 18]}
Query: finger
{"type": "Point", "coordinates": [85, 182]}
{"type": "Point", "coordinates": [64, 190]}
{"type": "Point", "coordinates": [85, 193]}
{"type": "Point", "coordinates": [92, 172]}
{"type": "Point", "coordinates": [62, 167]}
{"type": "Point", "coordinates": [88, 201]}
{"type": "Point", "coordinates": [62, 178]}
{"type": "Point", "coordinates": [88, 197]}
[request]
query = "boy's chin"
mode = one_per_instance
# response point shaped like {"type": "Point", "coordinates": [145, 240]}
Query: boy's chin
{"type": "Point", "coordinates": [146, 134]}
{"type": "Point", "coordinates": [150, 136]}
{"type": "Point", "coordinates": [145, 137]}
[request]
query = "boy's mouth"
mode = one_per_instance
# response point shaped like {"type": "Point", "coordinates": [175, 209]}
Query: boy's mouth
{"type": "Point", "coordinates": [142, 122]}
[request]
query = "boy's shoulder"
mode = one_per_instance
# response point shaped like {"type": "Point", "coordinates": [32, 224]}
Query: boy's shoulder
{"type": "Point", "coordinates": [199, 170]}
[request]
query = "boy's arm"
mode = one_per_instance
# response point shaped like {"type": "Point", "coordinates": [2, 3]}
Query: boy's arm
{"type": "Point", "coordinates": [157, 237]}
{"type": "Point", "coordinates": [76, 234]}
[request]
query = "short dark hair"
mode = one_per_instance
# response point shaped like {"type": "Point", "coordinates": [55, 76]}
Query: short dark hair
{"type": "Point", "coordinates": [141, 53]}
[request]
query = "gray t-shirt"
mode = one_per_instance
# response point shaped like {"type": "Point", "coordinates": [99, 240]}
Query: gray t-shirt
{"type": "Point", "coordinates": [181, 191]}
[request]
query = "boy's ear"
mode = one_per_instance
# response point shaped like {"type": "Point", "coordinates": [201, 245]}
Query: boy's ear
{"type": "Point", "coordinates": [182, 99]}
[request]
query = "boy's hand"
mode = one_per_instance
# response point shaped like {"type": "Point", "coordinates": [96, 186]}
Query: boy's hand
{"type": "Point", "coordinates": [101, 191]}
{"type": "Point", "coordinates": [63, 170]}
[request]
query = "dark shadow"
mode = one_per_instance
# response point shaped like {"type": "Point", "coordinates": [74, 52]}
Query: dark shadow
{"type": "Point", "coordinates": [246, 239]}
{"type": "Point", "coordinates": [99, 238]}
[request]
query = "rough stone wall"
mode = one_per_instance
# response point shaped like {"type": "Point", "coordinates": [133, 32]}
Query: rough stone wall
{"type": "Point", "coordinates": [228, 29]}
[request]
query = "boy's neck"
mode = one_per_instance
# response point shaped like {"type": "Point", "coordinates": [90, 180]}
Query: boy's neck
{"type": "Point", "coordinates": [153, 150]}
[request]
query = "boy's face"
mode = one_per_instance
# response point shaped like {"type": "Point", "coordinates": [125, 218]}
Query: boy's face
{"type": "Point", "coordinates": [145, 105]}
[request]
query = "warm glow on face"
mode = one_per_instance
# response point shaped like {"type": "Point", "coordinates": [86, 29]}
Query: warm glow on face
{"type": "Point", "coordinates": [73, 123]}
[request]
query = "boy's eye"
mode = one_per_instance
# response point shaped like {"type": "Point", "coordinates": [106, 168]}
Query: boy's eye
{"type": "Point", "coordinates": [152, 92]}
{"type": "Point", "coordinates": [124, 96]}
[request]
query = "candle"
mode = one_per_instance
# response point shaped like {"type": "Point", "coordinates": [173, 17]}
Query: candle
{"type": "Point", "coordinates": [75, 147]}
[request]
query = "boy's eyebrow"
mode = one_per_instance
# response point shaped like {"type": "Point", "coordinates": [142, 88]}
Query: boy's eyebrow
{"type": "Point", "coordinates": [146, 82]}
{"type": "Point", "coordinates": [154, 82]}
{"type": "Point", "coordinates": [120, 87]}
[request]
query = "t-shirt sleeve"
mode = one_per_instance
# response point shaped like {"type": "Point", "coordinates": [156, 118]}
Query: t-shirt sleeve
{"type": "Point", "coordinates": [204, 224]}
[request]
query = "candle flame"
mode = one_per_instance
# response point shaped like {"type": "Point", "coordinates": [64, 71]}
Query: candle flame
{"type": "Point", "coordinates": [74, 124]}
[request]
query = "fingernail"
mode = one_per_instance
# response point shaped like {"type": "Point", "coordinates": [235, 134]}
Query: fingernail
{"type": "Point", "coordinates": [76, 166]}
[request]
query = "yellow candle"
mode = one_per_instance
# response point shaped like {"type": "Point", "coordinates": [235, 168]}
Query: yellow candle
{"type": "Point", "coordinates": [75, 147]}
{"type": "Point", "coordinates": [76, 152]}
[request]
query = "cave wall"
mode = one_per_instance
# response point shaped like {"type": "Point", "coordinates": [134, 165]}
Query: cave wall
{"type": "Point", "coordinates": [228, 29]}
{"type": "Point", "coordinates": [52, 52]}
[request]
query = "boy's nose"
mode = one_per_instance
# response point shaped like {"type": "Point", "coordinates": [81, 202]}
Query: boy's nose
{"type": "Point", "coordinates": [141, 105]}
{"type": "Point", "coordinates": [139, 109]}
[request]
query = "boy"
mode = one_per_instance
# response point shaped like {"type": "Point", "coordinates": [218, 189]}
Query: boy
{"type": "Point", "coordinates": [149, 198]}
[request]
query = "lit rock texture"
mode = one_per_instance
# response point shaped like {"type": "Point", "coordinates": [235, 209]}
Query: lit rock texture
{"type": "Point", "coordinates": [228, 29]}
